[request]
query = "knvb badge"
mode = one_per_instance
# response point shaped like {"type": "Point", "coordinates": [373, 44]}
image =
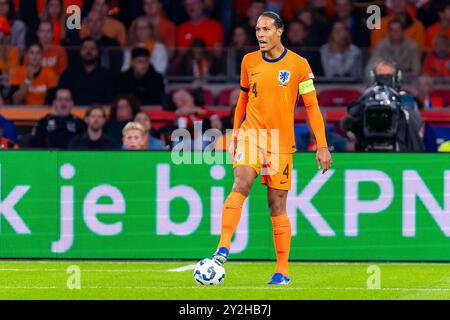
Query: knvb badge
{"type": "Point", "coordinates": [284, 76]}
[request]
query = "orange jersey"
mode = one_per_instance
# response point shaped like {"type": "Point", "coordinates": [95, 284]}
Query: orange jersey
{"type": "Point", "coordinates": [36, 94]}
{"type": "Point", "coordinates": [273, 88]}
{"type": "Point", "coordinates": [55, 58]}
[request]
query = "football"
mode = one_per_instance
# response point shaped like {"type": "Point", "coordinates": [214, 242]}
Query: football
{"type": "Point", "coordinates": [209, 272]}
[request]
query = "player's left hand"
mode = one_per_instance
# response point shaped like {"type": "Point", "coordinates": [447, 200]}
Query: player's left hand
{"type": "Point", "coordinates": [324, 160]}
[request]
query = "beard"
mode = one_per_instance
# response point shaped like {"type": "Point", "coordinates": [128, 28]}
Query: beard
{"type": "Point", "coordinates": [89, 61]}
{"type": "Point", "coordinates": [96, 129]}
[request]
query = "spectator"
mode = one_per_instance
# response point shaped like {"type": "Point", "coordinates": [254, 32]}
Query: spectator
{"type": "Point", "coordinates": [241, 38]}
{"type": "Point", "coordinates": [185, 103]}
{"type": "Point", "coordinates": [95, 23]}
{"type": "Point", "coordinates": [123, 110]}
{"type": "Point", "coordinates": [413, 28]}
{"type": "Point", "coordinates": [255, 9]}
{"type": "Point", "coordinates": [359, 32]}
{"type": "Point", "coordinates": [32, 84]}
{"type": "Point", "coordinates": [299, 39]}
{"type": "Point", "coordinates": [140, 35]}
{"type": "Point", "coordinates": [426, 11]}
{"type": "Point", "coordinates": [437, 61]}
{"type": "Point", "coordinates": [164, 29]}
{"type": "Point", "coordinates": [94, 138]}
{"type": "Point", "coordinates": [187, 112]}
{"type": "Point", "coordinates": [317, 25]}
{"type": "Point", "coordinates": [198, 63]}
{"type": "Point", "coordinates": [18, 27]}
{"type": "Point", "coordinates": [9, 55]}
{"type": "Point", "coordinates": [133, 137]}
{"type": "Point", "coordinates": [440, 27]}
{"type": "Point", "coordinates": [110, 26]}
{"type": "Point", "coordinates": [306, 141]}
{"type": "Point", "coordinates": [186, 109]}
{"type": "Point", "coordinates": [323, 7]}
{"type": "Point", "coordinates": [152, 143]}
{"type": "Point", "coordinates": [7, 130]}
{"type": "Point", "coordinates": [400, 49]}
{"type": "Point", "coordinates": [55, 13]}
{"type": "Point", "coordinates": [299, 35]}
{"type": "Point", "coordinates": [223, 12]}
{"type": "Point", "coordinates": [141, 80]}
{"type": "Point", "coordinates": [38, 6]}
{"type": "Point", "coordinates": [341, 58]}
{"type": "Point", "coordinates": [275, 6]}
{"type": "Point", "coordinates": [199, 26]}
{"type": "Point", "coordinates": [242, 43]}
{"type": "Point", "coordinates": [175, 11]}
{"type": "Point", "coordinates": [57, 128]}
{"type": "Point", "coordinates": [54, 56]}
{"type": "Point", "coordinates": [5, 143]}
{"type": "Point", "coordinates": [424, 98]}
{"type": "Point", "coordinates": [89, 83]}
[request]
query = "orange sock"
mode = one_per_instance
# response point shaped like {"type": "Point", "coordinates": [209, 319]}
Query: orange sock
{"type": "Point", "coordinates": [282, 240]}
{"type": "Point", "coordinates": [231, 214]}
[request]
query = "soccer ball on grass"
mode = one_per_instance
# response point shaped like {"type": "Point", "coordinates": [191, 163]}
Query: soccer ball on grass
{"type": "Point", "coordinates": [209, 272]}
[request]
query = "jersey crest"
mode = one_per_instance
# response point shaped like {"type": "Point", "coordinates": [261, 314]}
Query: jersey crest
{"type": "Point", "coordinates": [284, 76]}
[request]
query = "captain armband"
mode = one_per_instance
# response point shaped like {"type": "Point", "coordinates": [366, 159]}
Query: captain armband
{"type": "Point", "coordinates": [306, 87]}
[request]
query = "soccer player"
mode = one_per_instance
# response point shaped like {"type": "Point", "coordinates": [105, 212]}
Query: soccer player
{"type": "Point", "coordinates": [263, 136]}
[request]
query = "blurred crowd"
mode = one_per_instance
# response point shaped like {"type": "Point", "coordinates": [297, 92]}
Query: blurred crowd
{"type": "Point", "coordinates": [127, 53]}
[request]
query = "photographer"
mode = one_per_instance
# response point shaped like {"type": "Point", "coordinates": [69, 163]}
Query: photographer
{"type": "Point", "coordinates": [384, 118]}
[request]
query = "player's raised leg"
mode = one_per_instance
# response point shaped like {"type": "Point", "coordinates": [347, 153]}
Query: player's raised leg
{"type": "Point", "coordinates": [232, 209]}
{"type": "Point", "coordinates": [281, 234]}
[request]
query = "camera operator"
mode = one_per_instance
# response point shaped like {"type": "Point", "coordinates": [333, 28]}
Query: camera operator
{"type": "Point", "coordinates": [384, 118]}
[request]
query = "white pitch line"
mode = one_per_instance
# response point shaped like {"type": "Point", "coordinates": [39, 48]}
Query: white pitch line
{"type": "Point", "coordinates": [182, 269]}
{"type": "Point", "coordinates": [81, 269]}
{"type": "Point", "coordinates": [235, 288]}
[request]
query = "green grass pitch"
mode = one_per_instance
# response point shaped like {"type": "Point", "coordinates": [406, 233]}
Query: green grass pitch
{"type": "Point", "coordinates": [244, 280]}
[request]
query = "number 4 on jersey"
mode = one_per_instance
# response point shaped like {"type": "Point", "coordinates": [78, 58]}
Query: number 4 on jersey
{"type": "Point", "coordinates": [255, 92]}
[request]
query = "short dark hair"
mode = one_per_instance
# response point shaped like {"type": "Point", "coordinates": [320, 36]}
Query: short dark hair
{"type": "Point", "coordinates": [275, 16]}
{"type": "Point", "coordinates": [297, 21]}
{"type": "Point", "coordinates": [46, 22]}
{"type": "Point", "coordinates": [88, 39]}
{"type": "Point", "coordinates": [95, 107]}
{"type": "Point", "coordinates": [395, 21]}
{"type": "Point", "coordinates": [140, 52]}
{"type": "Point", "coordinates": [34, 44]}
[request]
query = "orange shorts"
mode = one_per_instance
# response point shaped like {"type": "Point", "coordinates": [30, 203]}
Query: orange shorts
{"type": "Point", "coordinates": [276, 167]}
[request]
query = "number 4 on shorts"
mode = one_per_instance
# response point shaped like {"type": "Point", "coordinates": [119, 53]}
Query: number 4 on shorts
{"type": "Point", "coordinates": [286, 171]}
